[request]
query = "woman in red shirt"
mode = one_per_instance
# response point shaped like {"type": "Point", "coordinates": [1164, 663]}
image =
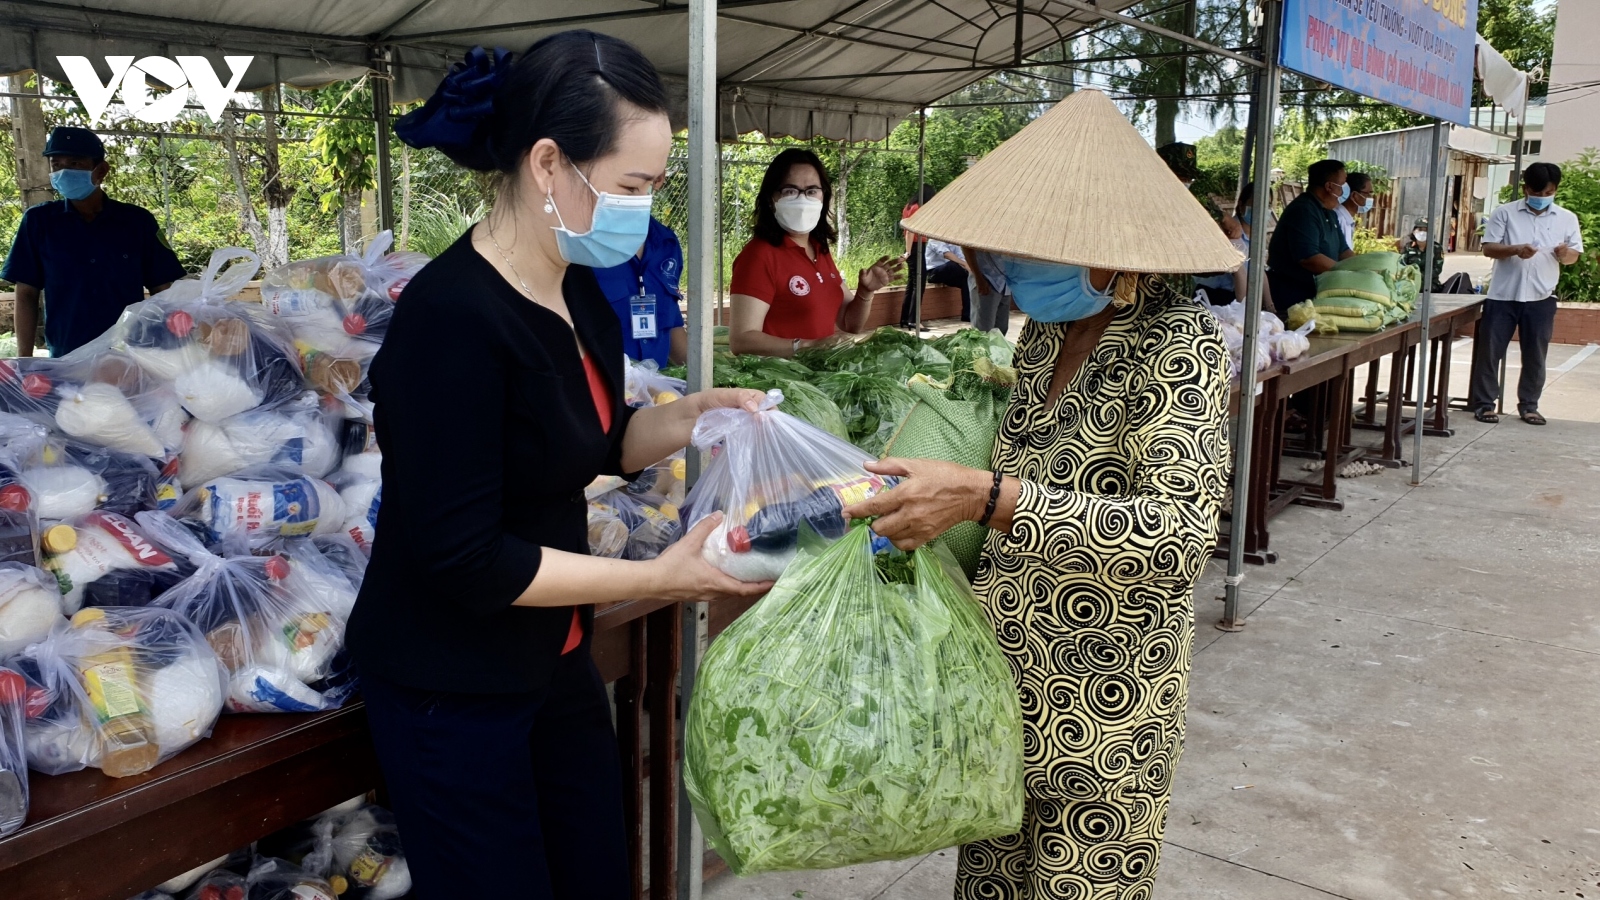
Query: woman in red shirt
{"type": "Point", "coordinates": [787, 293]}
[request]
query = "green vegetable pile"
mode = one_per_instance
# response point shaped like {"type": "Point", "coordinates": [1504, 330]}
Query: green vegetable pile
{"type": "Point", "coordinates": [873, 406]}
{"type": "Point", "coordinates": [889, 352]}
{"type": "Point", "coordinates": [808, 403]}
{"type": "Point", "coordinates": [845, 719]}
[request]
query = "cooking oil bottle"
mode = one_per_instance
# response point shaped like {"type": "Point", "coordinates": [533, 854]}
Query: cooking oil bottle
{"type": "Point", "coordinates": [127, 736]}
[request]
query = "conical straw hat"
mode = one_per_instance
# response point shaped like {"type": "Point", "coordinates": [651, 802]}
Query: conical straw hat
{"type": "Point", "coordinates": [1080, 186]}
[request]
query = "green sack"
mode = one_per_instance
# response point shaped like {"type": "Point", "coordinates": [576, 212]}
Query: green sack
{"type": "Point", "coordinates": [1385, 263]}
{"type": "Point", "coordinates": [1353, 323]}
{"type": "Point", "coordinates": [940, 426]}
{"type": "Point", "coordinates": [847, 718]}
{"type": "Point", "coordinates": [1358, 284]}
{"type": "Point", "coordinates": [1348, 306]}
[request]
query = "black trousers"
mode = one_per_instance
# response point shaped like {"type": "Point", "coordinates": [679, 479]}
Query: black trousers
{"type": "Point", "coordinates": [951, 274]}
{"type": "Point", "coordinates": [1534, 322]}
{"type": "Point", "coordinates": [916, 278]}
{"type": "Point", "coordinates": [506, 795]}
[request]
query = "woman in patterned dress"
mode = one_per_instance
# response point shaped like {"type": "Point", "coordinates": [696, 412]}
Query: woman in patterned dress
{"type": "Point", "coordinates": [1109, 470]}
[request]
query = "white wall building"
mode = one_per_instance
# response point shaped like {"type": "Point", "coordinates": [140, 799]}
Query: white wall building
{"type": "Point", "coordinates": [1572, 117]}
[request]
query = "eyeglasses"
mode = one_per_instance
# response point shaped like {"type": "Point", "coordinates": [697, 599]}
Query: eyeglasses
{"type": "Point", "coordinates": [789, 193]}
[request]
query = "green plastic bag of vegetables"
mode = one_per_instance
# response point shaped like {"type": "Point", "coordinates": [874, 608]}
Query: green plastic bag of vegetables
{"type": "Point", "coordinates": [957, 422]}
{"type": "Point", "coordinates": [848, 718]}
{"type": "Point", "coordinates": [873, 406]}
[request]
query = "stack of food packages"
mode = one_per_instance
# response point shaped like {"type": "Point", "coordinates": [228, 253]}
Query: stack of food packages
{"type": "Point", "coordinates": [185, 509]}
{"type": "Point", "coordinates": [349, 852]}
{"type": "Point", "coordinates": [1367, 292]}
{"type": "Point", "coordinates": [1275, 345]}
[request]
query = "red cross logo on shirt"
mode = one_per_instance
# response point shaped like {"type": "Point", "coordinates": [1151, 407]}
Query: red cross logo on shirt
{"type": "Point", "coordinates": [799, 286]}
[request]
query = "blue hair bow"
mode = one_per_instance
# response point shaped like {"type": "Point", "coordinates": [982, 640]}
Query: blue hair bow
{"type": "Point", "coordinates": [463, 99]}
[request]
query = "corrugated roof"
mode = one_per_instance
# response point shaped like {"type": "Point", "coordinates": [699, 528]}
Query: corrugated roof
{"type": "Point", "coordinates": [842, 69]}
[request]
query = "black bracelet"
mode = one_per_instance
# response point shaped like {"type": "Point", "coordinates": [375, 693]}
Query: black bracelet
{"type": "Point", "coordinates": [994, 500]}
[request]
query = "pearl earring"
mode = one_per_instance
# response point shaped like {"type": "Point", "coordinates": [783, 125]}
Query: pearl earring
{"type": "Point", "coordinates": [549, 205]}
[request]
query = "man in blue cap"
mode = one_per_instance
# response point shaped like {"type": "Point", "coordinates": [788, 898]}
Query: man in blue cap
{"type": "Point", "coordinates": [89, 255]}
{"type": "Point", "coordinates": [644, 294]}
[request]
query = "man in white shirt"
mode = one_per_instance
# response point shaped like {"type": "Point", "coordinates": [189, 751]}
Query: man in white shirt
{"type": "Point", "coordinates": [947, 267]}
{"type": "Point", "coordinates": [1357, 204]}
{"type": "Point", "coordinates": [1529, 240]}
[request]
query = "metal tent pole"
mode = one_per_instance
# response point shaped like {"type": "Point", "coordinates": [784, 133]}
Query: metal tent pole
{"type": "Point", "coordinates": [703, 197]}
{"type": "Point", "coordinates": [1516, 179]}
{"type": "Point", "coordinates": [922, 158]}
{"type": "Point", "coordinates": [1266, 103]}
{"type": "Point", "coordinates": [1425, 306]}
{"type": "Point", "coordinates": [380, 115]}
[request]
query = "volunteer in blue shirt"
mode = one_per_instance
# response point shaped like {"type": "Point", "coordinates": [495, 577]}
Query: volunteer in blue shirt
{"type": "Point", "coordinates": [644, 294]}
{"type": "Point", "coordinates": [89, 255]}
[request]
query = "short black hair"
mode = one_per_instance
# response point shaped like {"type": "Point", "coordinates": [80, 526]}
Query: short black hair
{"type": "Point", "coordinates": [767, 227]}
{"type": "Point", "coordinates": [1323, 171]}
{"type": "Point", "coordinates": [1541, 175]}
{"type": "Point", "coordinates": [1247, 195]}
{"type": "Point", "coordinates": [1360, 181]}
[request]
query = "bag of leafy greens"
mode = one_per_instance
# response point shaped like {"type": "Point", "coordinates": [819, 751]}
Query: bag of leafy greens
{"type": "Point", "coordinates": [861, 711]}
{"type": "Point", "coordinates": [956, 421]}
{"type": "Point", "coordinates": [872, 406]}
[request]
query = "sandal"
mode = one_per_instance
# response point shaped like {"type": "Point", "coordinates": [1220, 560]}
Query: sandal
{"type": "Point", "coordinates": [1484, 415]}
{"type": "Point", "coordinates": [1533, 418]}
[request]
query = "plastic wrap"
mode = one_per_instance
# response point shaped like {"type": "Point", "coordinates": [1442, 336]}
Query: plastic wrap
{"type": "Point", "coordinates": [261, 504]}
{"type": "Point", "coordinates": [356, 850]}
{"type": "Point", "coordinates": [276, 622]}
{"type": "Point", "coordinates": [299, 436]}
{"type": "Point", "coordinates": [1291, 345]}
{"type": "Point", "coordinates": [104, 559]}
{"type": "Point", "coordinates": [771, 473]}
{"type": "Point", "coordinates": [275, 879]}
{"type": "Point", "coordinates": [220, 884]}
{"type": "Point", "coordinates": [13, 755]}
{"type": "Point", "coordinates": [30, 606]}
{"type": "Point", "coordinates": [649, 525]}
{"type": "Point", "coordinates": [69, 479]}
{"type": "Point", "coordinates": [120, 689]}
{"type": "Point", "coordinates": [844, 719]}
{"type": "Point", "coordinates": [644, 385]}
{"type": "Point", "coordinates": [359, 482]}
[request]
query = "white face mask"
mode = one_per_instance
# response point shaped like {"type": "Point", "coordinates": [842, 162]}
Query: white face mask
{"type": "Point", "coordinates": [1420, 237]}
{"type": "Point", "coordinates": [798, 216]}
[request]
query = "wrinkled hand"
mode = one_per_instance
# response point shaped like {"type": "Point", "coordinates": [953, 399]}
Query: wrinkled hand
{"type": "Point", "coordinates": [1527, 251]}
{"type": "Point", "coordinates": [727, 398]}
{"type": "Point", "coordinates": [877, 276]}
{"type": "Point", "coordinates": [682, 574]}
{"type": "Point", "coordinates": [932, 496]}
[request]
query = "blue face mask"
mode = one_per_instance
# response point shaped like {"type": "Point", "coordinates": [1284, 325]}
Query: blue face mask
{"type": "Point", "coordinates": [73, 184]}
{"type": "Point", "coordinates": [1365, 207]}
{"type": "Point", "coordinates": [1540, 203]}
{"type": "Point", "coordinates": [1245, 216]}
{"type": "Point", "coordinates": [1051, 292]}
{"type": "Point", "coordinates": [617, 232]}
{"type": "Point", "coordinates": [1344, 192]}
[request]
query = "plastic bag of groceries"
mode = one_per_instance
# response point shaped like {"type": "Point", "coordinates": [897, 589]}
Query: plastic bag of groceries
{"type": "Point", "coordinates": [68, 479]}
{"type": "Point", "coordinates": [772, 472]}
{"type": "Point", "coordinates": [13, 754]}
{"type": "Point", "coordinates": [276, 622]}
{"type": "Point", "coordinates": [1288, 345]}
{"type": "Point", "coordinates": [259, 504]}
{"type": "Point", "coordinates": [645, 525]}
{"type": "Point", "coordinates": [356, 849]}
{"type": "Point", "coordinates": [97, 395]}
{"type": "Point", "coordinates": [221, 358]}
{"type": "Point", "coordinates": [860, 711]}
{"type": "Point", "coordinates": [105, 559]}
{"type": "Point", "coordinates": [301, 435]}
{"type": "Point", "coordinates": [338, 309]}
{"type": "Point", "coordinates": [30, 605]}
{"type": "Point", "coordinates": [119, 689]}
{"type": "Point", "coordinates": [644, 385]}
{"type": "Point", "coordinates": [20, 440]}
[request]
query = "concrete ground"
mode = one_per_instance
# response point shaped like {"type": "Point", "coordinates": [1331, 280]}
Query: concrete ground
{"type": "Point", "coordinates": [1414, 708]}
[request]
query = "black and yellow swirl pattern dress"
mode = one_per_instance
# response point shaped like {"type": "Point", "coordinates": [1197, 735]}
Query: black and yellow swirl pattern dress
{"type": "Point", "coordinates": [1091, 592]}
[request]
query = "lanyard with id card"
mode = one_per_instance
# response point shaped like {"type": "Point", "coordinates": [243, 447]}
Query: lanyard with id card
{"type": "Point", "coordinates": [642, 313]}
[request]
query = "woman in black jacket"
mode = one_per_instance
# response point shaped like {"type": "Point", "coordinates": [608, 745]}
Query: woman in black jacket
{"type": "Point", "coordinates": [498, 396]}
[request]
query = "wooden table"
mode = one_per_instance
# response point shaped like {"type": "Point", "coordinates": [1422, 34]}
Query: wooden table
{"type": "Point", "coordinates": [90, 837]}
